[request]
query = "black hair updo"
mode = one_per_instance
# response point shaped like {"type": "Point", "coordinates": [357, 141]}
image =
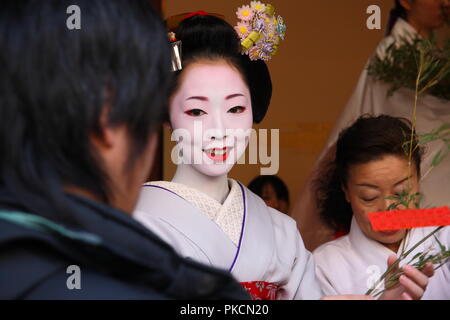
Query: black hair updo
{"type": "Point", "coordinates": [207, 37]}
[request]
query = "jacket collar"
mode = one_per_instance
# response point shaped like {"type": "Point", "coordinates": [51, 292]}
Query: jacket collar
{"type": "Point", "coordinates": [127, 249]}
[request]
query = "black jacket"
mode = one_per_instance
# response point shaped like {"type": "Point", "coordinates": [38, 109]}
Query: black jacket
{"type": "Point", "coordinates": [117, 256]}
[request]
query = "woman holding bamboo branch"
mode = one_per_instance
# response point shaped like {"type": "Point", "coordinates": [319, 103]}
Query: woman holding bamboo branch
{"type": "Point", "coordinates": [372, 172]}
{"type": "Point", "coordinates": [386, 86]}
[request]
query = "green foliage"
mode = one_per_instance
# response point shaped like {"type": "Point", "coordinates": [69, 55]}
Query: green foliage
{"type": "Point", "coordinates": [402, 64]}
{"type": "Point", "coordinates": [391, 277]}
{"type": "Point", "coordinates": [424, 68]}
{"type": "Point", "coordinates": [405, 199]}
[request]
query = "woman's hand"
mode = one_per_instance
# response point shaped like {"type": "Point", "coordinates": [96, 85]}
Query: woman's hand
{"type": "Point", "coordinates": [412, 284]}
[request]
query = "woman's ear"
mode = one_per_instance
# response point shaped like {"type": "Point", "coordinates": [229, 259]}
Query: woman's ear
{"type": "Point", "coordinates": [344, 189]}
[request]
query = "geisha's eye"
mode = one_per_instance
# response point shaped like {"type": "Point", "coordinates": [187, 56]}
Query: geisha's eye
{"type": "Point", "coordinates": [195, 112]}
{"type": "Point", "coordinates": [238, 109]}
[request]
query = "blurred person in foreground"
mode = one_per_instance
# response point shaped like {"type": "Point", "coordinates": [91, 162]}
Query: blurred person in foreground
{"type": "Point", "coordinates": [79, 112]}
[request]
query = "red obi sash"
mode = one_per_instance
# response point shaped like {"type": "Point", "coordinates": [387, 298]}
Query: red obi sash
{"type": "Point", "coordinates": [261, 290]}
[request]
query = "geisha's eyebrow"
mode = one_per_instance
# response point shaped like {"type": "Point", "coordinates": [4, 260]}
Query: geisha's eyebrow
{"type": "Point", "coordinates": [231, 96]}
{"type": "Point", "coordinates": [197, 98]}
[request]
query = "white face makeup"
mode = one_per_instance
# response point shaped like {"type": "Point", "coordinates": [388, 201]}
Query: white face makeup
{"type": "Point", "coordinates": [212, 112]}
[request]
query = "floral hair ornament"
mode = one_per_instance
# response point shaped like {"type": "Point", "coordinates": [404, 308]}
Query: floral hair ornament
{"type": "Point", "coordinates": [260, 30]}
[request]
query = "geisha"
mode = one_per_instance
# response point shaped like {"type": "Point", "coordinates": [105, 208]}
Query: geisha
{"type": "Point", "coordinates": [202, 213]}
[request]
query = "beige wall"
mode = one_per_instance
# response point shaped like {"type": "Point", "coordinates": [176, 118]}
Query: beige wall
{"type": "Point", "coordinates": [317, 66]}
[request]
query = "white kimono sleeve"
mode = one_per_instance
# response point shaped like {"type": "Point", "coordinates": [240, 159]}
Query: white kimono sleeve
{"type": "Point", "coordinates": [325, 283]}
{"type": "Point", "coordinates": [294, 265]}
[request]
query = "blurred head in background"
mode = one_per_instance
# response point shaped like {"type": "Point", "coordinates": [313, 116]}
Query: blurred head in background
{"type": "Point", "coordinates": [273, 191]}
{"type": "Point", "coordinates": [424, 15]}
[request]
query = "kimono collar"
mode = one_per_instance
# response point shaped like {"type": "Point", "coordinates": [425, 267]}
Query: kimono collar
{"type": "Point", "coordinates": [228, 216]}
{"type": "Point", "coordinates": [366, 246]}
{"type": "Point", "coordinates": [402, 30]}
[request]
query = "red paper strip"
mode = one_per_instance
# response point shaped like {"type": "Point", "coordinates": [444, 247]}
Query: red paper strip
{"type": "Point", "coordinates": [407, 219]}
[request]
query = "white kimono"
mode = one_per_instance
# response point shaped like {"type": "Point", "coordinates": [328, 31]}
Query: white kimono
{"type": "Point", "coordinates": [352, 263]}
{"type": "Point", "coordinates": [370, 97]}
{"type": "Point", "coordinates": [244, 236]}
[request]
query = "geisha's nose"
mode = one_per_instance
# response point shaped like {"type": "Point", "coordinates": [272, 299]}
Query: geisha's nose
{"type": "Point", "coordinates": [216, 134]}
{"type": "Point", "coordinates": [218, 128]}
